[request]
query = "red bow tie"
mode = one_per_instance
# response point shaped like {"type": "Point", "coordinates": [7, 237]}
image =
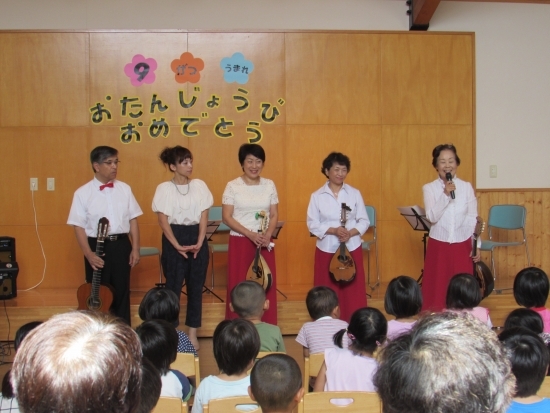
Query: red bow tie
{"type": "Point", "coordinates": [107, 185]}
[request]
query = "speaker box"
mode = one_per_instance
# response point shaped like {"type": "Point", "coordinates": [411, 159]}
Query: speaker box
{"type": "Point", "coordinates": [7, 249]}
{"type": "Point", "coordinates": [8, 280]}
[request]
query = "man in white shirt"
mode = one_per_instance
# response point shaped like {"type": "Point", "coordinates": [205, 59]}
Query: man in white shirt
{"type": "Point", "coordinates": [104, 196]}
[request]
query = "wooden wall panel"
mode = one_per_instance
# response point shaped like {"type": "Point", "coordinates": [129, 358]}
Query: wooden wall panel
{"type": "Point", "coordinates": [427, 79]}
{"type": "Point", "coordinates": [383, 99]}
{"type": "Point", "coordinates": [332, 78]}
{"type": "Point", "coordinates": [44, 79]}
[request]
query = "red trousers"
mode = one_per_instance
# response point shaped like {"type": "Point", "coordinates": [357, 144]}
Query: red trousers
{"type": "Point", "coordinates": [241, 252]}
{"type": "Point", "coordinates": [351, 295]}
{"type": "Point", "coordinates": [443, 260]}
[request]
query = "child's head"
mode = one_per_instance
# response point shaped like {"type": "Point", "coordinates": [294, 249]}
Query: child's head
{"type": "Point", "coordinates": [529, 358]}
{"type": "Point", "coordinates": [531, 287]}
{"type": "Point", "coordinates": [463, 292]}
{"type": "Point", "coordinates": [151, 385]}
{"type": "Point", "coordinates": [248, 299]}
{"type": "Point", "coordinates": [276, 383]}
{"type": "Point", "coordinates": [403, 297]}
{"type": "Point", "coordinates": [160, 304]}
{"type": "Point", "coordinates": [526, 318]}
{"type": "Point", "coordinates": [322, 302]}
{"type": "Point", "coordinates": [367, 330]}
{"type": "Point", "coordinates": [236, 345]}
{"type": "Point", "coordinates": [159, 343]}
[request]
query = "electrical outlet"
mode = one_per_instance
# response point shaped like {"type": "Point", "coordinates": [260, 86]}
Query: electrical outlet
{"type": "Point", "coordinates": [34, 184]}
{"type": "Point", "coordinates": [50, 184]}
{"type": "Point", "coordinates": [492, 171]}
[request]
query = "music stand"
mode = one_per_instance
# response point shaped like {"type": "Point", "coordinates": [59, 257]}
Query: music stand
{"type": "Point", "coordinates": [416, 217]}
{"type": "Point", "coordinates": [275, 235]}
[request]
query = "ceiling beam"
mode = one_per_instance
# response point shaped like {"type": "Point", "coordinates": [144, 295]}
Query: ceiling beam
{"type": "Point", "coordinates": [420, 12]}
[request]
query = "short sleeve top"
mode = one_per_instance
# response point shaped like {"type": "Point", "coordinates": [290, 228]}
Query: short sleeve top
{"type": "Point", "coordinates": [182, 204]}
{"type": "Point", "coordinates": [248, 200]}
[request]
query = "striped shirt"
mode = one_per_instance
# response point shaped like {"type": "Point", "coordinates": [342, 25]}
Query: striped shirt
{"type": "Point", "coordinates": [317, 335]}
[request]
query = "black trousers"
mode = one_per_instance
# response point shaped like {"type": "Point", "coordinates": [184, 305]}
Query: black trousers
{"type": "Point", "coordinates": [115, 272]}
{"type": "Point", "coordinates": [177, 268]}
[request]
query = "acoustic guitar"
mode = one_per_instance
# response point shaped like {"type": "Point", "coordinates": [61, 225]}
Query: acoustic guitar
{"type": "Point", "coordinates": [481, 271]}
{"type": "Point", "coordinates": [259, 270]}
{"type": "Point", "coordinates": [342, 266]}
{"type": "Point", "coordinates": [96, 296]}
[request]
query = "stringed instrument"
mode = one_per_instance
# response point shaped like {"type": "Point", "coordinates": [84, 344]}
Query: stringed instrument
{"type": "Point", "coordinates": [481, 271]}
{"type": "Point", "coordinates": [96, 296]}
{"type": "Point", "coordinates": [342, 266]}
{"type": "Point", "coordinates": [259, 270]}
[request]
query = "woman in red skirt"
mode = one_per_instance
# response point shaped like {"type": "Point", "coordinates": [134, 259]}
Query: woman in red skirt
{"type": "Point", "coordinates": [451, 207]}
{"type": "Point", "coordinates": [243, 198]}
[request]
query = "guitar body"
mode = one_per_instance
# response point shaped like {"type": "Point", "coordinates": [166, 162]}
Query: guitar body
{"type": "Point", "coordinates": [96, 296]}
{"type": "Point", "coordinates": [259, 272]}
{"type": "Point", "coordinates": [87, 300]}
{"type": "Point", "coordinates": [342, 265]}
{"type": "Point", "coordinates": [484, 278]}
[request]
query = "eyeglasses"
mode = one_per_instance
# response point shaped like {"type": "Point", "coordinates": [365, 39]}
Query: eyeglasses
{"type": "Point", "coordinates": [111, 163]}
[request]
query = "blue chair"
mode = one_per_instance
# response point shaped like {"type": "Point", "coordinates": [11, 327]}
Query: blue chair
{"type": "Point", "coordinates": [215, 214]}
{"type": "Point", "coordinates": [149, 252]}
{"type": "Point", "coordinates": [507, 217]}
{"type": "Point", "coordinates": [366, 246]}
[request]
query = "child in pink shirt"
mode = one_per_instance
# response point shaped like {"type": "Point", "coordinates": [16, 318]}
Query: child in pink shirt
{"type": "Point", "coordinates": [464, 296]}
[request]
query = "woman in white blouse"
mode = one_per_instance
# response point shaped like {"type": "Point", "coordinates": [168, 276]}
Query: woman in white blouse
{"type": "Point", "coordinates": [451, 207]}
{"type": "Point", "coordinates": [323, 221]}
{"type": "Point", "coordinates": [242, 199]}
{"type": "Point", "coordinates": [182, 207]}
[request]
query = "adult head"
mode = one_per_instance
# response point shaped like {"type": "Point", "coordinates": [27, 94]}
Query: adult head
{"type": "Point", "coordinates": [179, 160]}
{"type": "Point", "coordinates": [79, 362]}
{"type": "Point", "coordinates": [236, 345]}
{"type": "Point", "coordinates": [336, 167]}
{"type": "Point", "coordinates": [403, 297]}
{"type": "Point", "coordinates": [445, 160]}
{"type": "Point", "coordinates": [322, 301]}
{"type": "Point", "coordinates": [276, 383]}
{"type": "Point", "coordinates": [448, 362]}
{"type": "Point", "coordinates": [160, 303]}
{"type": "Point", "coordinates": [531, 287]}
{"type": "Point", "coordinates": [104, 161]}
{"type": "Point", "coordinates": [252, 160]}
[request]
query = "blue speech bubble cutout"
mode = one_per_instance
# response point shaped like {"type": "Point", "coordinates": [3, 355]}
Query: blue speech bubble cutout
{"type": "Point", "coordinates": [236, 68]}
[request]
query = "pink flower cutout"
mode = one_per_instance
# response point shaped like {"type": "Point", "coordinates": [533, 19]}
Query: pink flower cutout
{"type": "Point", "coordinates": [141, 70]}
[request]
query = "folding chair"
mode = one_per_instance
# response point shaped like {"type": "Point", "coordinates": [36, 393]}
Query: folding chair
{"type": "Point", "coordinates": [215, 214]}
{"type": "Point", "coordinates": [312, 365]}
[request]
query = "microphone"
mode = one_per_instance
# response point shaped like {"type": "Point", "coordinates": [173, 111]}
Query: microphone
{"type": "Point", "coordinates": [449, 178]}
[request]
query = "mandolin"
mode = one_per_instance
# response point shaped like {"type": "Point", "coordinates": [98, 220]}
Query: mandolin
{"type": "Point", "coordinates": [96, 296]}
{"type": "Point", "coordinates": [259, 270]}
{"type": "Point", "coordinates": [342, 266]}
{"type": "Point", "coordinates": [481, 271]}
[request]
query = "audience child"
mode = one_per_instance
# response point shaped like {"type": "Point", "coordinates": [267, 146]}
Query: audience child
{"type": "Point", "coordinates": [163, 304]}
{"type": "Point", "coordinates": [322, 306]}
{"type": "Point", "coordinates": [159, 342]}
{"type": "Point", "coordinates": [151, 386]}
{"type": "Point", "coordinates": [529, 319]}
{"type": "Point", "coordinates": [352, 369]}
{"type": "Point", "coordinates": [531, 291]}
{"type": "Point", "coordinates": [80, 361]}
{"type": "Point", "coordinates": [236, 346]}
{"type": "Point", "coordinates": [529, 358]}
{"type": "Point", "coordinates": [464, 296]}
{"type": "Point", "coordinates": [249, 302]}
{"type": "Point", "coordinates": [446, 363]}
{"type": "Point", "coordinates": [403, 300]}
{"type": "Point", "coordinates": [8, 402]}
{"type": "Point", "coordinates": [276, 383]}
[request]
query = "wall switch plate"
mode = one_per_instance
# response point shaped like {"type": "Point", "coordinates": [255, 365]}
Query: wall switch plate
{"type": "Point", "coordinates": [492, 171]}
{"type": "Point", "coordinates": [50, 183]}
{"type": "Point", "coordinates": [34, 184]}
